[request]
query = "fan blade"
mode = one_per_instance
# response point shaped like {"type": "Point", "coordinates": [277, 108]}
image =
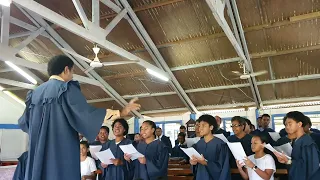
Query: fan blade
{"type": "Point", "coordinates": [76, 55]}
{"type": "Point", "coordinates": [118, 63]}
{"type": "Point", "coordinates": [89, 69]}
{"type": "Point", "coordinates": [258, 73]}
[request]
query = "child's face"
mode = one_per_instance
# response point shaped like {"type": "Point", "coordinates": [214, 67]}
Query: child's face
{"type": "Point", "coordinates": [292, 126]}
{"type": "Point", "coordinates": [103, 135]}
{"type": "Point", "coordinates": [83, 150]}
{"type": "Point", "coordinates": [205, 128]}
{"type": "Point", "coordinates": [146, 130]}
{"type": "Point", "coordinates": [256, 144]}
{"type": "Point", "coordinates": [118, 129]}
{"type": "Point", "coordinates": [137, 137]}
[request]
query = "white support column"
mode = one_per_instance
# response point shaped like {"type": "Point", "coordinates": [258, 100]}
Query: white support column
{"type": "Point", "coordinates": [96, 12]}
{"type": "Point", "coordinates": [81, 13]}
{"type": "Point", "coordinates": [111, 5]}
{"type": "Point", "coordinates": [5, 25]}
{"type": "Point", "coordinates": [115, 21]}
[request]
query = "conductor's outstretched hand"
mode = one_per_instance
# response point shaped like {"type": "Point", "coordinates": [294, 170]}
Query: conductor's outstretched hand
{"type": "Point", "coordinates": [131, 106]}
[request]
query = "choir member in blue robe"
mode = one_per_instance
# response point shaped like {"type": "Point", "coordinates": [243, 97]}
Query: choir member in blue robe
{"type": "Point", "coordinates": [196, 131]}
{"type": "Point", "coordinates": [264, 128]}
{"type": "Point", "coordinates": [219, 130]}
{"type": "Point", "coordinates": [305, 153]}
{"type": "Point", "coordinates": [103, 136]}
{"type": "Point", "coordinates": [214, 163]}
{"type": "Point", "coordinates": [21, 167]}
{"type": "Point", "coordinates": [120, 169]}
{"type": "Point", "coordinates": [307, 129]}
{"type": "Point", "coordinates": [238, 125]}
{"type": "Point", "coordinates": [137, 139]}
{"type": "Point", "coordinates": [55, 113]}
{"type": "Point", "coordinates": [154, 164]}
{"type": "Point", "coordinates": [248, 125]}
{"type": "Point", "coordinates": [182, 129]}
{"type": "Point", "coordinates": [176, 151]}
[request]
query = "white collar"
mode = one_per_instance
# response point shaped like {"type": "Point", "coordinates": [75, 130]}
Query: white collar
{"type": "Point", "coordinates": [56, 77]}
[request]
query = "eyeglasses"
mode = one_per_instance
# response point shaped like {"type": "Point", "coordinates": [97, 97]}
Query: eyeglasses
{"type": "Point", "coordinates": [235, 125]}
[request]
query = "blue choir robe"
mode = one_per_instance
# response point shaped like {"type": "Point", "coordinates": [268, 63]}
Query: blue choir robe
{"type": "Point", "coordinates": [177, 152]}
{"type": "Point", "coordinates": [316, 138]}
{"type": "Point", "coordinates": [246, 144]}
{"type": "Point", "coordinates": [21, 167]}
{"type": "Point", "coordinates": [55, 112]}
{"type": "Point", "coordinates": [217, 155]}
{"type": "Point", "coordinates": [305, 160]}
{"type": "Point", "coordinates": [123, 172]}
{"type": "Point", "coordinates": [157, 158]}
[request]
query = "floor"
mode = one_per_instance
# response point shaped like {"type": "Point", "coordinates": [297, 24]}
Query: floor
{"type": "Point", "coordinates": [7, 172]}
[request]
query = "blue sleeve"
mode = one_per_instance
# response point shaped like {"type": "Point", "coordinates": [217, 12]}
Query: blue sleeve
{"type": "Point", "coordinates": [307, 167]}
{"type": "Point", "coordinates": [83, 117]}
{"type": "Point", "coordinates": [221, 167]}
{"type": "Point", "coordinates": [24, 119]}
{"type": "Point", "coordinates": [160, 164]}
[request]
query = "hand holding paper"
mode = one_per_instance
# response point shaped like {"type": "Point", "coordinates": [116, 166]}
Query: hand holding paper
{"type": "Point", "coordinates": [105, 156]}
{"type": "Point", "coordinates": [131, 150]}
{"type": "Point", "coordinates": [268, 146]}
{"type": "Point", "coordinates": [191, 152]}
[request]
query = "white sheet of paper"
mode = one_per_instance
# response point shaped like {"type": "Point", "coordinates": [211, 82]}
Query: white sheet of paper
{"type": "Point", "coordinates": [222, 137]}
{"type": "Point", "coordinates": [285, 148]}
{"type": "Point", "coordinates": [191, 152]}
{"type": "Point", "coordinates": [275, 136]}
{"type": "Point", "coordinates": [93, 150]}
{"type": "Point", "coordinates": [237, 151]}
{"type": "Point", "coordinates": [105, 156]}
{"type": "Point", "coordinates": [268, 146]}
{"type": "Point", "coordinates": [130, 149]}
{"type": "Point", "coordinates": [191, 141]}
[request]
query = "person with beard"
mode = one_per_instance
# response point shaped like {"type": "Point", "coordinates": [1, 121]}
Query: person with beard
{"type": "Point", "coordinates": [219, 130]}
{"type": "Point", "coordinates": [264, 128]}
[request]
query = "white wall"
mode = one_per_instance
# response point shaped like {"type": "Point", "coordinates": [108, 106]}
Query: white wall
{"type": "Point", "coordinates": [13, 142]}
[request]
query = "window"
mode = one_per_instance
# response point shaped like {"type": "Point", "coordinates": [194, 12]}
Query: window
{"type": "Point", "coordinates": [170, 129]}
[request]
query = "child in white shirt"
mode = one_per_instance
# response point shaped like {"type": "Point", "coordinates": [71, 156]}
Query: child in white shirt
{"type": "Point", "coordinates": [260, 165]}
{"type": "Point", "coordinates": [88, 165]}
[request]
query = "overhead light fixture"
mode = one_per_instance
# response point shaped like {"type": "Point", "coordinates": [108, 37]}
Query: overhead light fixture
{"type": "Point", "coordinates": [158, 75]}
{"type": "Point", "coordinates": [5, 2]}
{"type": "Point", "coordinates": [13, 96]}
{"type": "Point", "coordinates": [22, 72]}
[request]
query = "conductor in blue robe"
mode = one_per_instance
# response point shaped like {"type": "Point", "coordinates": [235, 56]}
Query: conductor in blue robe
{"type": "Point", "coordinates": [21, 167]}
{"type": "Point", "coordinates": [120, 169]}
{"type": "Point", "coordinates": [214, 163]}
{"type": "Point", "coordinates": [154, 164]}
{"type": "Point", "coordinates": [55, 113]}
{"type": "Point", "coordinates": [305, 153]}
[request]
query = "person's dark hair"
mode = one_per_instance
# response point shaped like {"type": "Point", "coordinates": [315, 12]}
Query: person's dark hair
{"type": "Point", "coordinates": [106, 128]}
{"type": "Point", "coordinates": [153, 125]}
{"type": "Point", "coordinates": [252, 126]}
{"type": "Point", "coordinates": [265, 115]}
{"type": "Point", "coordinates": [197, 121]}
{"type": "Point", "coordinates": [308, 121]}
{"type": "Point", "coordinates": [210, 120]}
{"type": "Point", "coordinates": [57, 64]}
{"type": "Point", "coordinates": [182, 127]}
{"type": "Point", "coordinates": [182, 135]}
{"type": "Point", "coordinates": [124, 123]}
{"type": "Point", "coordinates": [259, 118]}
{"type": "Point", "coordinates": [284, 120]}
{"type": "Point", "coordinates": [158, 128]}
{"type": "Point", "coordinates": [248, 121]}
{"type": "Point", "coordinates": [86, 144]}
{"type": "Point", "coordinates": [240, 120]}
{"type": "Point", "coordinates": [297, 116]}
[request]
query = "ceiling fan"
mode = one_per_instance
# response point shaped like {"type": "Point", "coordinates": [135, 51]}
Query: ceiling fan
{"type": "Point", "coordinates": [246, 75]}
{"type": "Point", "coordinates": [95, 63]}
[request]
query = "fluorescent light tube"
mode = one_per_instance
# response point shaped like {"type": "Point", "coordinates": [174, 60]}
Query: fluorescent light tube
{"type": "Point", "coordinates": [158, 75]}
{"type": "Point", "coordinates": [5, 2]}
{"type": "Point", "coordinates": [22, 72]}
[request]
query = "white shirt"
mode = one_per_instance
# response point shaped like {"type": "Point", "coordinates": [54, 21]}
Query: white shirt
{"type": "Point", "coordinates": [88, 166]}
{"type": "Point", "coordinates": [159, 137]}
{"type": "Point", "coordinates": [263, 163]}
